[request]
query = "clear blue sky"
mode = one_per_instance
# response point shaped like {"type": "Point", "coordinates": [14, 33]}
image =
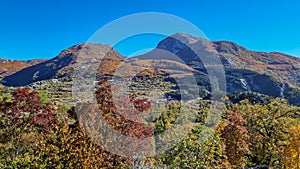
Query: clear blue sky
{"type": "Point", "coordinates": [42, 28]}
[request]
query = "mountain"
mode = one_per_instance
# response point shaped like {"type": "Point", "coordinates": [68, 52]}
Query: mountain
{"type": "Point", "coordinates": [8, 67]}
{"type": "Point", "coordinates": [59, 67]}
{"type": "Point", "coordinates": [284, 67]}
{"type": "Point", "coordinates": [274, 74]}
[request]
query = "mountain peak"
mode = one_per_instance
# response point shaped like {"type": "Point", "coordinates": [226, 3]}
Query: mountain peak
{"type": "Point", "coordinates": [62, 65]}
{"type": "Point", "coordinates": [179, 47]}
{"type": "Point", "coordinates": [181, 40]}
{"type": "Point", "coordinates": [228, 47]}
{"type": "Point", "coordinates": [186, 38]}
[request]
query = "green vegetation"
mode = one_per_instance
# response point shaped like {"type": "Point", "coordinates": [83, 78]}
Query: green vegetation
{"type": "Point", "coordinates": [37, 134]}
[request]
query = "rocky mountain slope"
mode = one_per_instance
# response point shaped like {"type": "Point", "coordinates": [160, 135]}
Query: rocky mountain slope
{"type": "Point", "coordinates": [182, 55]}
{"type": "Point", "coordinates": [59, 67]}
{"type": "Point", "coordinates": [284, 67]}
{"type": "Point", "coordinates": [8, 67]}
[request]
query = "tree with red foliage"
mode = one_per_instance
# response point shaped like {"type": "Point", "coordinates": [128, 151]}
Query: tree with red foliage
{"type": "Point", "coordinates": [26, 112]}
{"type": "Point", "coordinates": [24, 121]}
{"type": "Point", "coordinates": [235, 137]}
{"type": "Point", "coordinates": [141, 104]}
{"type": "Point", "coordinates": [124, 113]}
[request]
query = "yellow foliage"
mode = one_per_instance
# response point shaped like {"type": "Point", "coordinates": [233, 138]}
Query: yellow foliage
{"type": "Point", "coordinates": [292, 151]}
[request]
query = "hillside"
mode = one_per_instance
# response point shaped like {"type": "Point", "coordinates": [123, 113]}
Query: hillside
{"type": "Point", "coordinates": [273, 74]}
{"type": "Point", "coordinates": [59, 67]}
{"type": "Point", "coordinates": [284, 67]}
{"type": "Point", "coordinates": [8, 67]}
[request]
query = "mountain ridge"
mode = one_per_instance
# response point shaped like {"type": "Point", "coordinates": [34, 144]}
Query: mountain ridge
{"type": "Point", "coordinates": [60, 66]}
{"type": "Point", "coordinates": [8, 67]}
{"type": "Point", "coordinates": [232, 55]}
{"type": "Point", "coordinates": [176, 54]}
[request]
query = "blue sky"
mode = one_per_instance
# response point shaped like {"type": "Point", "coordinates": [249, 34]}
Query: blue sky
{"type": "Point", "coordinates": [42, 28]}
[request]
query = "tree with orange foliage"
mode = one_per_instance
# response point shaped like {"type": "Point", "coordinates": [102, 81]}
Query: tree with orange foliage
{"type": "Point", "coordinates": [235, 137]}
{"type": "Point", "coordinates": [268, 125]}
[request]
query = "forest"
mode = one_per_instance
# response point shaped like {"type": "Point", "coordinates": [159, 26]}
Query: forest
{"type": "Point", "coordinates": [251, 131]}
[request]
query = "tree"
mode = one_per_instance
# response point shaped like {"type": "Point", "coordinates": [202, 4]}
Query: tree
{"type": "Point", "coordinates": [33, 136]}
{"type": "Point", "coordinates": [235, 137]}
{"type": "Point", "coordinates": [23, 123]}
{"type": "Point", "coordinates": [268, 126]}
{"type": "Point", "coordinates": [201, 148]}
{"type": "Point", "coordinates": [292, 151]}
{"type": "Point", "coordinates": [43, 98]}
{"type": "Point", "coordinates": [70, 147]}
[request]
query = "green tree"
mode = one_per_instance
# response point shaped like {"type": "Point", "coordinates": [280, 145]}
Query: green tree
{"type": "Point", "coordinates": [268, 126]}
{"type": "Point", "coordinates": [43, 98]}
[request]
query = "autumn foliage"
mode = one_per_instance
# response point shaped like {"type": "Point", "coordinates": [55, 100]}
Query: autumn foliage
{"type": "Point", "coordinates": [124, 113]}
{"type": "Point", "coordinates": [292, 151]}
{"type": "Point", "coordinates": [36, 134]}
{"type": "Point", "coordinates": [26, 112]}
{"type": "Point", "coordinates": [235, 137]}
